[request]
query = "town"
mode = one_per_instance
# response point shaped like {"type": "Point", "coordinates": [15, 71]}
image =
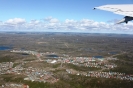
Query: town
{"type": "Point", "coordinates": [42, 75]}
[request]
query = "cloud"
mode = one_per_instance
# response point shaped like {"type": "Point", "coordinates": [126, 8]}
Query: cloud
{"type": "Point", "coordinates": [51, 20]}
{"type": "Point", "coordinates": [69, 25]}
{"type": "Point", "coordinates": [15, 21]}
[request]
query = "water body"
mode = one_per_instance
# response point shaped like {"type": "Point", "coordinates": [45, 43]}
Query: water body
{"type": "Point", "coordinates": [52, 56]}
{"type": "Point", "coordinates": [112, 53]}
{"type": "Point", "coordinates": [5, 48]}
{"type": "Point", "coordinates": [98, 56]}
{"type": "Point", "coordinates": [25, 54]}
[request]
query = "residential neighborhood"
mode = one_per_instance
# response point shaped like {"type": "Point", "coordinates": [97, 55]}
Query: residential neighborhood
{"type": "Point", "coordinates": [42, 75]}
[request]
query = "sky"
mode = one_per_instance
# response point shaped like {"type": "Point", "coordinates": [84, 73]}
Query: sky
{"type": "Point", "coordinates": [61, 16]}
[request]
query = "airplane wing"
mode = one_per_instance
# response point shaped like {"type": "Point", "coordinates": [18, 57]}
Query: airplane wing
{"type": "Point", "coordinates": [123, 9]}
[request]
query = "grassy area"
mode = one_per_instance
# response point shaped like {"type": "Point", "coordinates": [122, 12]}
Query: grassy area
{"type": "Point", "coordinates": [29, 59]}
{"type": "Point", "coordinates": [123, 67]}
{"type": "Point", "coordinates": [12, 78]}
{"type": "Point", "coordinates": [15, 64]}
{"type": "Point", "coordinates": [55, 65]}
{"type": "Point", "coordinates": [6, 59]}
{"type": "Point", "coordinates": [124, 64]}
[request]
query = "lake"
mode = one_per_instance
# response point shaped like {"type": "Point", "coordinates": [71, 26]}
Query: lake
{"type": "Point", "coordinates": [98, 56]}
{"type": "Point", "coordinates": [5, 48]}
{"type": "Point", "coordinates": [52, 56]}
